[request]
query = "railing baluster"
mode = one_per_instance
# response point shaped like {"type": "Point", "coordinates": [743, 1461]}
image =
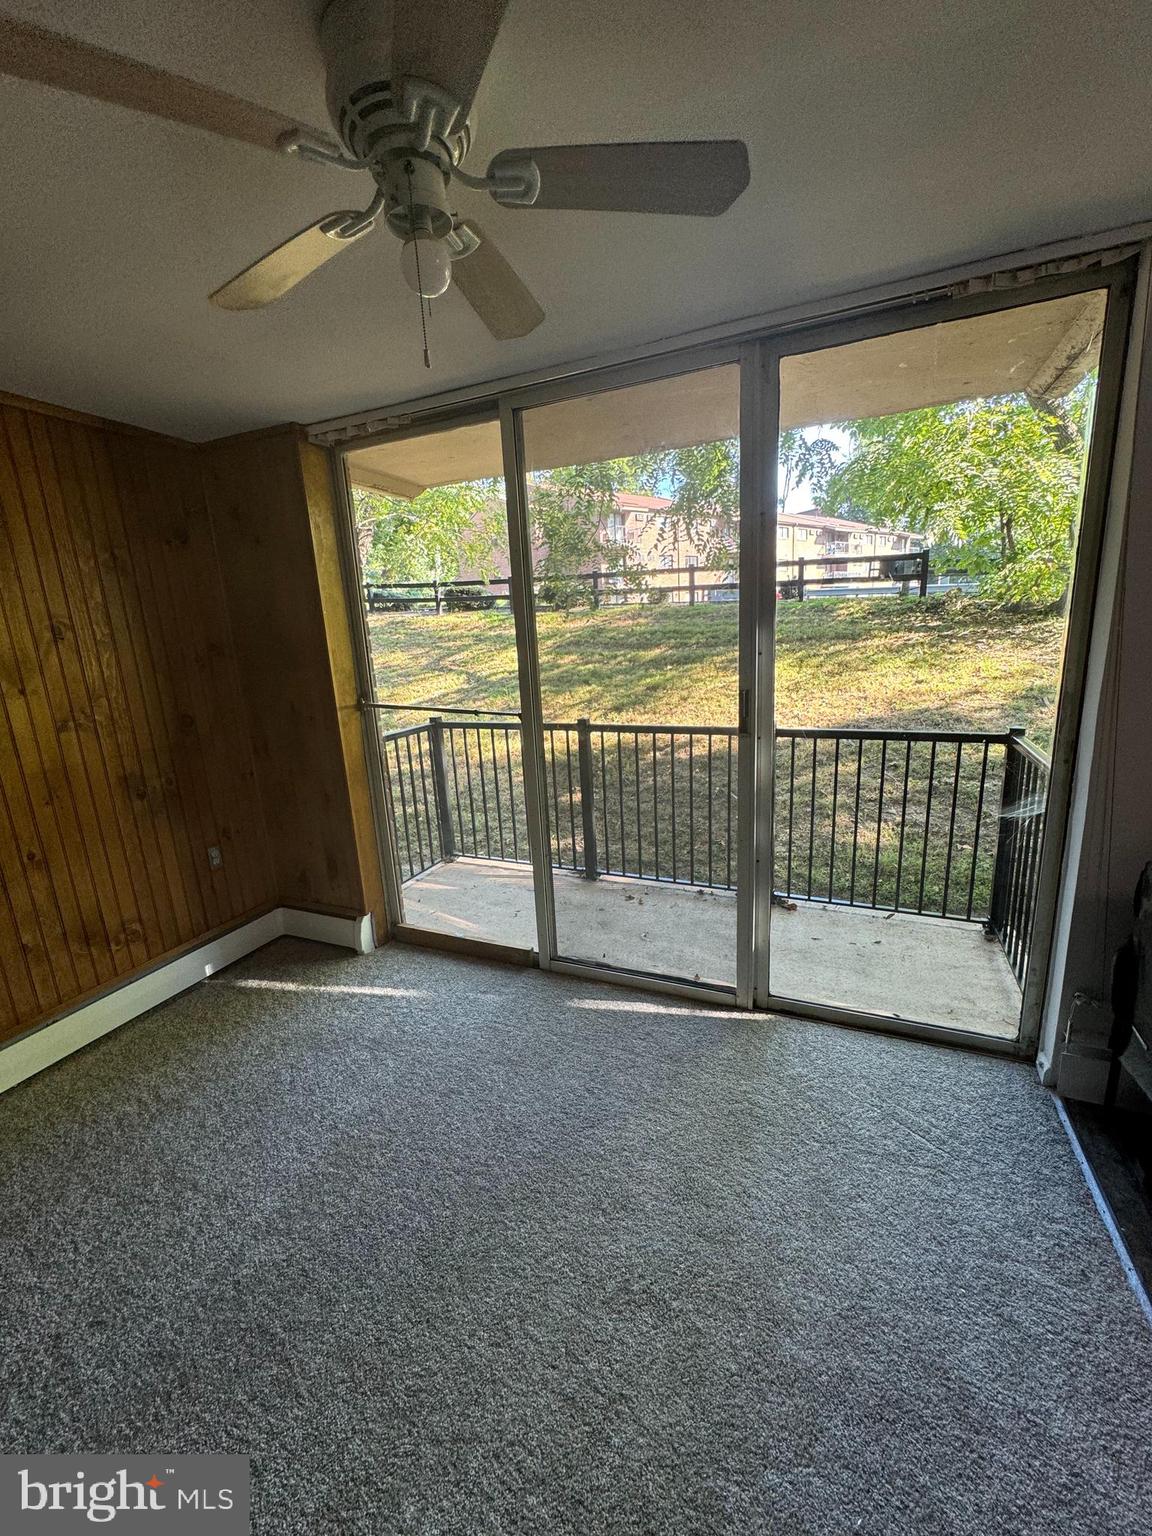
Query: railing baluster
{"type": "Point", "coordinates": [1023, 864]}
{"type": "Point", "coordinates": [811, 822]}
{"type": "Point", "coordinates": [639, 837]}
{"type": "Point", "coordinates": [606, 845]}
{"type": "Point", "coordinates": [554, 820]}
{"type": "Point", "coordinates": [710, 871]}
{"type": "Point", "coordinates": [459, 820]}
{"type": "Point", "coordinates": [691, 812]}
{"type": "Point", "coordinates": [976, 834]}
{"type": "Point", "coordinates": [856, 822]}
{"type": "Point", "coordinates": [672, 757]}
{"type": "Point", "coordinates": [1016, 864]}
{"type": "Point", "coordinates": [483, 792]}
{"type": "Point", "coordinates": [1006, 828]}
{"type": "Point", "coordinates": [728, 817]}
{"type": "Point", "coordinates": [1039, 823]}
{"type": "Point", "coordinates": [415, 807]}
{"type": "Point", "coordinates": [412, 870]}
{"type": "Point", "coordinates": [835, 799]}
{"type": "Point", "coordinates": [496, 795]}
{"type": "Point", "coordinates": [903, 824]}
{"type": "Point", "coordinates": [927, 824]}
{"type": "Point", "coordinates": [620, 792]}
{"type": "Point", "coordinates": [951, 830]}
{"type": "Point", "coordinates": [791, 808]}
{"type": "Point", "coordinates": [471, 797]}
{"type": "Point", "coordinates": [429, 820]}
{"type": "Point", "coordinates": [655, 807]}
{"type": "Point", "coordinates": [440, 789]}
{"type": "Point", "coordinates": [1026, 863]}
{"type": "Point", "coordinates": [879, 817]}
{"type": "Point", "coordinates": [587, 798]}
{"type": "Point", "coordinates": [1031, 863]}
{"type": "Point", "coordinates": [571, 798]}
{"type": "Point", "coordinates": [508, 729]}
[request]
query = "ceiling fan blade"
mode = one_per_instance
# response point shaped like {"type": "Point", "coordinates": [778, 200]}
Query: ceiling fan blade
{"type": "Point", "coordinates": [699, 177]}
{"type": "Point", "coordinates": [49, 58]}
{"type": "Point", "coordinates": [288, 264]}
{"type": "Point", "coordinates": [447, 43]}
{"type": "Point", "coordinates": [494, 290]}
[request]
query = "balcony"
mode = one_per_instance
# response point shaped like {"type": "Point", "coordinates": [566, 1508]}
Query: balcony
{"type": "Point", "coordinates": [905, 868]}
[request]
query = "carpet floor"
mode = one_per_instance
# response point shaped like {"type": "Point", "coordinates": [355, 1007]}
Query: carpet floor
{"type": "Point", "coordinates": [447, 1247]}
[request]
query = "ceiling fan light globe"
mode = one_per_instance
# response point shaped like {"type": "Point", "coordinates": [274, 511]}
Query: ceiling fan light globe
{"type": "Point", "coordinates": [435, 265]}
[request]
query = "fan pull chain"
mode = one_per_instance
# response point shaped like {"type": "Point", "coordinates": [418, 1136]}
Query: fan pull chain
{"type": "Point", "coordinates": [416, 244]}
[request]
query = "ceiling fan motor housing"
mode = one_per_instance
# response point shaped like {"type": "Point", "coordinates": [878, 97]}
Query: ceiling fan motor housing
{"type": "Point", "coordinates": [410, 133]}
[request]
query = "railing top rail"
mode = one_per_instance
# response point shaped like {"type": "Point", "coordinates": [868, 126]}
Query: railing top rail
{"type": "Point", "coordinates": [387, 584]}
{"type": "Point", "coordinates": [405, 730]}
{"type": "Point", "coordinates": [832, 733]}
{"type": "Point", "coordinates": [506, 724]}
{"type": "Point", "coordinates": [506, 720]}
{"type": "Point", "coordinates": [654, 730]}
{"type": "Point", "coordinates": [446, 709]}
{"type": "Point", "coordinates": [1025, 749]}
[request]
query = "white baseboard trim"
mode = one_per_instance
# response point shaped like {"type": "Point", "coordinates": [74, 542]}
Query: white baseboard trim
{"type": "Point", "coordinates": [348, 932]}
{"type": "Point", "coordinates": [31, 1053]}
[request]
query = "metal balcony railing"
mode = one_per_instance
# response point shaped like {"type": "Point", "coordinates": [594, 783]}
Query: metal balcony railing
{"type": "Point", "coordinates": [946, 824]}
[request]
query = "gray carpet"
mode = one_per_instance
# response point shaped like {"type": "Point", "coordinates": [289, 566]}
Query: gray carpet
{"type": "Point", "coordinates": [484, 1251]}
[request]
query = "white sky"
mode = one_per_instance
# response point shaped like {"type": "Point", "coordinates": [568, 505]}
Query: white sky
{"type": "Point", "coordinates": [799, 499]}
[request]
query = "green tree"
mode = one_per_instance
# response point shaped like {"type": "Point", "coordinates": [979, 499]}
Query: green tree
{"type": "Point", "coordinates": [438, 533]}
{"type": "Point", "coordinates": [571, 510]}
{"type": "Point", "coordinates": [994, 485]}
{"type": "Point", "coordinates": [804, 460]}
{"type": "Point", "coordinates": [703, 482]}
{"type": "Point", "coordinates": [448, 528]}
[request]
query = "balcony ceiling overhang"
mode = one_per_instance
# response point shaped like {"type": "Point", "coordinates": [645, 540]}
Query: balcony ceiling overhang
{"type": "Point", "coordinates": [1041, 349]}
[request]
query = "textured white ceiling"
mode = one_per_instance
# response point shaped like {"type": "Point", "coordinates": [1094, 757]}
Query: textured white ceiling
{"type": "Point", "coordinates": [886, 138]}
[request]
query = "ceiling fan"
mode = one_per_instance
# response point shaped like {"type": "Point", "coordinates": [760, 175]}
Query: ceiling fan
{"type": "Point", "coordinates": [401, 78]}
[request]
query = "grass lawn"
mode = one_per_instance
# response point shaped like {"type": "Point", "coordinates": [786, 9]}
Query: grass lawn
{"type": "Point", "coordinates": [857, 822]}
{"type": "Point", "coordinates": [948, 662]}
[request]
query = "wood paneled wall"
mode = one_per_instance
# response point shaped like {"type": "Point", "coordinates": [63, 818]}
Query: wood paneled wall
{"type": "Point", "coordinates": [274, 518]}
{"type": "Point", "coordinates": [125, 750]}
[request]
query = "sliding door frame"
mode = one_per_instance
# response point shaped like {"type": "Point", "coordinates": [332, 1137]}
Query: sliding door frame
{"type": "Point", "coordinates": [759, 354]}
{"type": "Point", "coordinates": [383, 809]}
{"type": "Point", "coordinates": [513, 405]}
{"type": "Point", "coordinates": [1118, 281]}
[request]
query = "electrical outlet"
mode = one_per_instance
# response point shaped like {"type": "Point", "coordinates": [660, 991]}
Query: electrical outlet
{"type": "Point", "coordinates": [215, 858]}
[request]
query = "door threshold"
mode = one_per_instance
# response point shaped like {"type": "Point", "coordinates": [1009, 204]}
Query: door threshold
{"type": "Point", "coordinates": [483, 949]}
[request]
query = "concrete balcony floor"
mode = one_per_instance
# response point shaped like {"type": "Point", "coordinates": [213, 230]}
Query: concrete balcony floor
{"type": "Point", "coordinates": [920, 968]}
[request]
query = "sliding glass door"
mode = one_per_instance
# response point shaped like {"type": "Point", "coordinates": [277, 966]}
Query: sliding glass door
{"type": "Point", "coordinates": [444, 692]}
{"type": "Point", "coordinates": [933, 584]}
{"type": "Point", "coordinates": [631, 506]}
{"type": "Point", "coordinates": [755, 676]}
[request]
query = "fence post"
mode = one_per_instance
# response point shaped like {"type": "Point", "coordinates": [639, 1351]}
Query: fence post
{"type": "Point", "coordinates": [691, 586]}
{"type": "Point", "coordinates": [587, 800]}
{"type": "Point", "coordinates": [924, 553]}
{"type": "Point", "coordinates": [595, 589]}
{"type": "Point", "coordinates": [440, 780]}
{"type": "Point", "coordinates": [800, 578]}
{"type": "Point", "coordinates": [1007, 828]}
